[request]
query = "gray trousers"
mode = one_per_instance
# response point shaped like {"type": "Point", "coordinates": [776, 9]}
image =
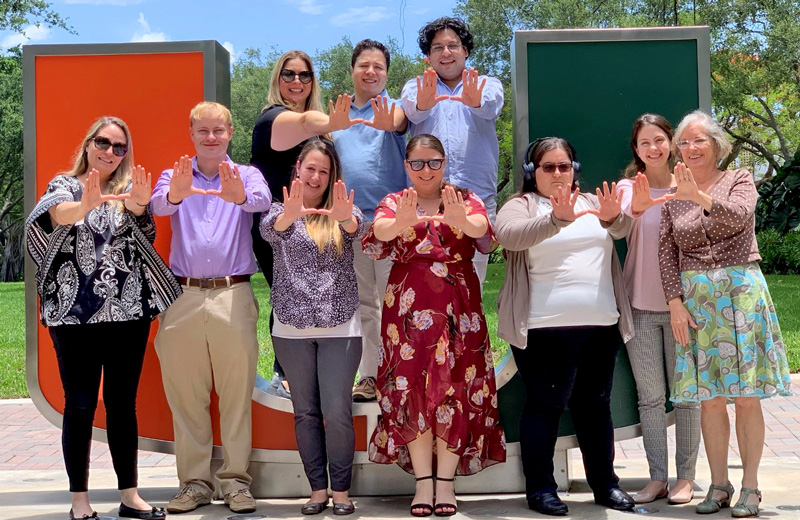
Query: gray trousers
{"type": "Point", "coordinates": [652, 355]}
{"type": "Point", "coordinates": [320, 372]}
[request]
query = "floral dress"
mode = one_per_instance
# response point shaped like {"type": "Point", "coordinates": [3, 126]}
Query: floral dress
{"type": "Point", "coordinates": [435, 368]}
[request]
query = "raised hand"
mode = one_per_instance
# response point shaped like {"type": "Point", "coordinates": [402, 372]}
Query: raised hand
{"type": "Point", "coordinates": [406, 212]}
{"type": "Point", "coordinates": [142, 187]}
{"type": "Point", "coordinates": [339, 114]}
{"type": "Point", "coordinates": [383, 118]}
{"type": "Point", "coordinates": [471, 92]}
{"type": "Point", "coordinates": [426, 90]}
{"type": "Point", "coordinates": [564, 205]}
{"type": "Point", "coordinates": [455, 210]}
{"type": "Point", "coordinates": [93, 196]}
{"type": "Point", "coordinates": [687, 187]}
{"type": "Point", "coordinates": [232, 185]}
{"type": "Point", "coordinates": [610, 202]}
{"type": "Point", "coordinates": [641, 200]}
{"type": "Point", "coordinates": [293, 207]}
{"type": "Point", "coordinates": [342, 208]}
{"type": "Point", "coordinates": [180, 185]}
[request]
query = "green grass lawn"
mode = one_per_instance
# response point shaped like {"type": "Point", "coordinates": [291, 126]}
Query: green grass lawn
{"type": "Point", "coordinates": [785, 292]}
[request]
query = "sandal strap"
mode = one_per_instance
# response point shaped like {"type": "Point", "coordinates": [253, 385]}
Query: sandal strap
{"type": "Point", "coordinates": [446, 479]}
{"type": "Point", "coordinates": [423, 478]}
{"type": "Point", "coordinates": [746, 492]}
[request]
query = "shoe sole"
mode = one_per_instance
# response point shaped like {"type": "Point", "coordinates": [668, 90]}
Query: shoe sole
{"type": "Point", "coordinates": [360, 398]}
{"type": "Point", "coordinates": [175, 511]}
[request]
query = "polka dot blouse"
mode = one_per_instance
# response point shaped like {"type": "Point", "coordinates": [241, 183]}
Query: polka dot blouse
{"type": "Point", "coordinates": [692, 239]}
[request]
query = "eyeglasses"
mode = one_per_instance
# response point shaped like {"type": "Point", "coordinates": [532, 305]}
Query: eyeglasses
{"type": "Point", "coordinates": [418, 164]}
{"type": "Point", "coordinates": [305, 76]}
{"type": "Point", "coordinates": [452, 47]}
{"type": "Point", "coordinates": [102, 144]}
{"type": "Point", "coordinates": [552, 167]}
{"type": "Point", "coordinates": [697, 143]}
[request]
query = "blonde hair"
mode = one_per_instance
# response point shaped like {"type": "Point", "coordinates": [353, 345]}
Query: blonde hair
{"type": "Point", "coordinates": [210, 109]}
{"type": "Point", "coordinates": [713, 129]}
{"type": "Point", "coordinates": [121, 177]}
{"type": "Point", "coordinates": [323, 229]}
{"type": "Point", "coordinates": [274, 97]}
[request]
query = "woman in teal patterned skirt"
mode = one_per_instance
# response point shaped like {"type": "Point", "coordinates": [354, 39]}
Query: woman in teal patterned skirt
{"type": "Point", "coordinates": [729, 341]}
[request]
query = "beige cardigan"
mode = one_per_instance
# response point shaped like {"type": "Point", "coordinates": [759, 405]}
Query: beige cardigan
{"type": "Point", "coordinates": [519, 227]}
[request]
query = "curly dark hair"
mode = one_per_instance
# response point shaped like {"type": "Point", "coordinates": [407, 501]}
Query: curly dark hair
{"type": "Point", "coordinates": [458, 26]}
{"type": "Point", "coordinates": [365, 45]}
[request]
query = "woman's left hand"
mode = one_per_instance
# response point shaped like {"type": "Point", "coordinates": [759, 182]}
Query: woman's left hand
{"type": "Point", "coordinates": [342, 209]}
{"type": "Point", "coordinates": [455, 210]}
{"type": "Point", "coordinates": [142, 188]}
{"type": "Point", "coordinates": [610, 203]}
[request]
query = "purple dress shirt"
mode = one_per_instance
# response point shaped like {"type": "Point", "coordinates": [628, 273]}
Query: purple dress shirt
{"type": "Point", "coordinates": [210, 237]}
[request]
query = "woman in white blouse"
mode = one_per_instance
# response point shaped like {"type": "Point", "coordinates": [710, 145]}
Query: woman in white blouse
{"type": "Point", "coordinates": [561, 306]}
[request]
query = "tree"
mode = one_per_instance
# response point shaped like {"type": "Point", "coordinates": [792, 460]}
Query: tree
{"type": "Point", "coordinates": [249, 88]}
{"type": "Point", "coordinates": [755, 54]}
{"type": "Point", "coordinates": [16, 15]}
{"type": "Point", "coordinates": [11, 167]}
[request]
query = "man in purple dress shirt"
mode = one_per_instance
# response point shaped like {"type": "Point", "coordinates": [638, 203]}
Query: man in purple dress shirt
{"type": "Point", "coordinates": [208, 336]}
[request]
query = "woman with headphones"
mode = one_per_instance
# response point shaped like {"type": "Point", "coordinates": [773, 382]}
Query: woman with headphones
{"type": "Point", "coordinates": [562, 308]}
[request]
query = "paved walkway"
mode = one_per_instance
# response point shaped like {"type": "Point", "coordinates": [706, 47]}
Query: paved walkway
{"type": "Point", "coordinates": [29, 442]}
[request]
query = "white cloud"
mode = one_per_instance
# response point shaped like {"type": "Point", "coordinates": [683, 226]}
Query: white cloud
{"type": "Point", "coordinates": [144, 34]}
{"type": "Point", "coordinates": [422, 11]}
{"type": "Point", "coordinates": [31, 33]}
{"type": "Point", "coordinates": [308, 6]}
{"type": "Point", "coordinates": [105, 2]}
{"type": "Point", "coordinates": [234, 55]}
{"type": "Point", "coordinates": [361, 15]}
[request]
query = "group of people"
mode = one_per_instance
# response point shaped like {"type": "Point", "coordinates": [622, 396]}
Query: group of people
{"type": "Point", "coordinates": [372, 224]}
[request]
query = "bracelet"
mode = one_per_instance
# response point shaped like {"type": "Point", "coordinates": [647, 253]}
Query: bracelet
{"type": "Point", "coordinates": [142, 205]}
{"type": "Point", "coordinates": [345, 222]}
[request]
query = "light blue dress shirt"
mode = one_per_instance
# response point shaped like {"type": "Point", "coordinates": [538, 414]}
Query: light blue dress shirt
{"type": "Point", "coordinates": [468, 134]}
{"type": "Point", "coordinates": [372, 160]}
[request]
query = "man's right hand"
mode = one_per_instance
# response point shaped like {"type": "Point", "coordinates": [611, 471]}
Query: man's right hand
{"type": "Point", "coordinates": [426, 90]}
{"type": "Point", "coordinates": [180, 185]}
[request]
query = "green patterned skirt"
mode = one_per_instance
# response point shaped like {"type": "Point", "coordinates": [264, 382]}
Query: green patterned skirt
{"type": "Point", "coordinates": [737, 349]}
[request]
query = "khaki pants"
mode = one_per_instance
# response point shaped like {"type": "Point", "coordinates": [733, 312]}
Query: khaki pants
{"type": "Point", "coordinates": [372, 276]}
{"type": "Point", "coordinates": [208, 337]}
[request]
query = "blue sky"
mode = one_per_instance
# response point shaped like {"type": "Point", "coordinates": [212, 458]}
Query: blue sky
{"type": "Point", "coordinates": [310, 25]}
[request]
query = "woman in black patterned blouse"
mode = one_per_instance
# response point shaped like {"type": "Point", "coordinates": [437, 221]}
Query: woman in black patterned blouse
{"type": "Point", "coordinates": [100, 284]}
{"type": "Point", "coordinates": [317, 332]}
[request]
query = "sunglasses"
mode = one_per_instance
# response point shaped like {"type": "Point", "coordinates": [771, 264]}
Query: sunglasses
{"type": "Point", "coordinates": [418, 164]}
{"type": "Point", "coordinates": [102, 144]}
{"type": "Point", "coordinates": [552, 167]}
{"type": "Point", "coordinates": [305, 77]}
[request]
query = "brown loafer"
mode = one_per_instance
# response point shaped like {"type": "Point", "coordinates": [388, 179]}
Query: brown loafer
{"type": "Point", "coordinates": [314, 508]}
{"type": "Point", "coordinates": [343, 508]}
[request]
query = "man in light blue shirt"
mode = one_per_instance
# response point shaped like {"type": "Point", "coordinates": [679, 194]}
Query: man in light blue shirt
{"type": "Point", "coordinates": [459, 107]}
{"type": "Point", "coordinates": [372, 158]}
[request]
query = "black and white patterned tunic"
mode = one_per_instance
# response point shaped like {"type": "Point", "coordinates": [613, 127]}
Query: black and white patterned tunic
{"type": "Point", "coordinates": [311, 289]}
{"type": "Point", "coordinates": [102, 269]}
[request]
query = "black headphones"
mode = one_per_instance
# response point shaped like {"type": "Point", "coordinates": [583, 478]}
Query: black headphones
{"type": "Point", "coordinates": [528, 168]}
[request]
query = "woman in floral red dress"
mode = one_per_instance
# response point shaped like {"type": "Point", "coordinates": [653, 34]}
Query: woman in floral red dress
{"type": "Point", "coordinates": [436, 386]}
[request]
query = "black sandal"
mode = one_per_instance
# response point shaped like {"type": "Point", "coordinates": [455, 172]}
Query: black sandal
{"type": "Point", "coordinates": [427, 508]}
{"type": "Point", "coordinates": [443, 505]}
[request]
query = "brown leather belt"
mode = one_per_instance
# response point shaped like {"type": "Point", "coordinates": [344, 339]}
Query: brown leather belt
{"type": "Point", "coordinates": [213, 283]}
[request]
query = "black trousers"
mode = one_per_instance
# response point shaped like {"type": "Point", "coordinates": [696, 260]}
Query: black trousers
{"type": "Point", "coordinates": [85, 352]}
{"type": "Point", "coordinates": [266, 260]}
{"type": "Point", "coordinates": [567, 366]}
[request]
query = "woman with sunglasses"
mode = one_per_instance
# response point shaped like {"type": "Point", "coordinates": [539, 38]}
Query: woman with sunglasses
{"type": "Point", "coordinates": [317, 331]}
{"type": "Point", "coordinates": [293, 115]}
{"type": "Point", "coordinates": [100, 279]}
{"type": "Point", "coordinates": [646, 186]}
{"type": "Point", "coordinates": [729, 342]}
{"type": "Point", "coordinates": [562, 309]}
{"type": "Point", "coordinates": [436, 386]}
